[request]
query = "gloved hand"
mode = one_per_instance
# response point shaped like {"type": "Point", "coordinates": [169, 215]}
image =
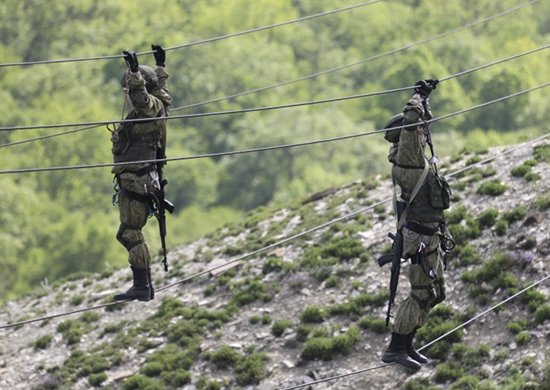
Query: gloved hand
{"type": "Point", "coordinates": [160, 54]}
{"type": "Point", "coordinates": [131, 59]}
{"type": "Point", "coordinates": [424, 87]}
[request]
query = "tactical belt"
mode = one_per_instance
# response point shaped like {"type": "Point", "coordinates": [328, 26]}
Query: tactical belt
{"type": "Point", "coordinates": [417, 228]}
{"type": "Point", "coordinates": [407, 166]}
{"type": "Point", "coordinates": [135, 196]}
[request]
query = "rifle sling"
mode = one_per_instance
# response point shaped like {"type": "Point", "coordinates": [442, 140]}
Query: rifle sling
{"type": "Point", "coordinates": [419, 184]}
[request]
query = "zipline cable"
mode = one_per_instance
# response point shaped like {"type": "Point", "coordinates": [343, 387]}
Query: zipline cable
{"type": "Point", "coordinates": [206, 114]}
{"type": "Point", "coordinates": [343, 218]}
{"type": "Point", "coordinates": [197, 42]}
{"type": "Point", "coordinates": [266, 148]}
{"type": "Point", "coordinates": [256, 109]}
{"type": "Point", "coordinates": [423, 347]}
{"type": "Point", "coordinates": [48, 136]}
{"type": "Point", "coordinates": [373, 94]}
{"type": "Point", "coordinates": [406, 47]}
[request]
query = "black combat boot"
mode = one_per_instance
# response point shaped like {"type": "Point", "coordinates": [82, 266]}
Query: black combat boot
{"type": "Point", "coordinates": [412, 352]}
{"type": "Point", "coordinates": [152, 295]}
{"type": "Point", "coordinates": [397, 352]}
{"type": "Point", "coordinates": [140, 289]}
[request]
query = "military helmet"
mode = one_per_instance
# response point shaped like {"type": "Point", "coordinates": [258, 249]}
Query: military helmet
{"type": "Point", "coordinates": [151, 79]}
{"type": "Point", "coordinates": [393, 135]}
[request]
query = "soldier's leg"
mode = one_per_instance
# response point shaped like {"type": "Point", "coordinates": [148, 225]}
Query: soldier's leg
{"type": "Point", "coordinates": [133, 217]}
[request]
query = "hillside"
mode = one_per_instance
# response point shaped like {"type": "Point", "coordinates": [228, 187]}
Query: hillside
{"type": "Point", "coordinates": [312, 307]}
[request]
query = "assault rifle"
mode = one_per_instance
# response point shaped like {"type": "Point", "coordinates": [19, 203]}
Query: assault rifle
{"type": "Point", "coordinates": [394, 257]}
{"type": "Point", "coordinates": [162, 204]}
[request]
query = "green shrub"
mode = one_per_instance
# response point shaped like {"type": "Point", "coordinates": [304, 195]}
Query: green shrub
{"type": "Point", "coordinates": [77, 299]}
{"type": "Point", "coordinates": [419, 384]}
{"type": "Point", "coordinates": [96, 380]}
{"type": "Point", "coordinates": [312, 314]}
{"type": "Point", "coordinates": [152, 369]}
{"type": "Point", "coordinates": [467, 382]}
{"type": "Point", "coordinates": [543, 202]}
{"type": "Point", "coordinates": [448, 372]}
{"type": "Point", "coordinates": [279, 327]}
{"type": "Point", "coordinates": [225, 357]}
{"type": "Point", "coordinates": [333, 281]}
{"type": "Point", "coordinates": [500, 228]}
{"type": "Point", "coordinates": [176, 379]}
{"type": "Point", "coordinates": [90, 316]}
{"type": "Point", "coordinates": [140, 382]}
{"type": "Point", "coordinates": [320, 331]}
{"type": "Point", "coordinates": [250, 371]}
{"type": "Point", "coordinates": [492, 187]}
{"type": "Point", "coordinates": [266, 319]}
{"type": "Point", "coordinates": [303, 332]}
{"type": "Point", "coordinates": [522, 338]}
{"type": "Point", "coordinates": [542, 152]}
{"type": "Point", "coordinates": [516, 327]}
{"type": "Point", "coordinates": [326, 348]}
{"type": "Point", "coordinates": [253, 320]}
{"type": "Point", "coordinates": [468, 255]}
{"type": "Point", "coordinates": [377, 325]}
{"type": "Point", "coordinates": [533, 299]}
{"type": "Point", "coordinates": [43, 342]}
{"type": "Point", "coordinates": [542, 314]}
{"type": "Point", "coordinates": [514, 215]}
{"type": "Point", "coordinates": [520, 170]}
{"type": "Point", "coordinates": [488, 218]}
{"type": "Point", "coordinates": [533, 176]}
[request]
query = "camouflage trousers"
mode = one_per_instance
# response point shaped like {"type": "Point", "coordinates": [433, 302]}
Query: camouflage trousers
{"type": "Point", "coordinates": [425, 291]}
{"type": "Point", "coordinates": [133, 217]}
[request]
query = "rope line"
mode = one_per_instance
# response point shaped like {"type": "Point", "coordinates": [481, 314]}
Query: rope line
{"type": "Point", "coordinates": [267, 148]}
{"type": "Point", "coordinates": [205, 114]}
{"type": "Point", "coordinates": [288, 239]}
{"type": "Point", "coordinates": [267, 108]}
{"type": "Point", "coordinates": [406, 47]}
{"type": "Point", "coordinates": [373, 94]}
{"type": "Point", "coordinates": [197, 42]}
{"type": "Point", "coordinates": [425, 346]}
{"type": "Point", "coordinates": [48, 136]}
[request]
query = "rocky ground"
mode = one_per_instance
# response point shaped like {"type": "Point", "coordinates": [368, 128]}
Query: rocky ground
{"type": "Point", "coordinates": [24, 366]}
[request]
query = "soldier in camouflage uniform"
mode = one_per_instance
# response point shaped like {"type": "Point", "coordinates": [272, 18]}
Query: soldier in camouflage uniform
{"type": "Point", "coordinates": [139, 141]}
{"type": "Point", "coordinates": [423, 228]}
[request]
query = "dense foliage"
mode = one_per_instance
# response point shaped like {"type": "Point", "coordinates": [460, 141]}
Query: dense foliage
{"type": "Point", "coordinates": [56, 223]}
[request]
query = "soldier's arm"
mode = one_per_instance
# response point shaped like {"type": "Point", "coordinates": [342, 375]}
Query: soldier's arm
{"type": "Point", "coordinates": [413, 111]}
{"type": "Point", "coordinates": [146, 104]}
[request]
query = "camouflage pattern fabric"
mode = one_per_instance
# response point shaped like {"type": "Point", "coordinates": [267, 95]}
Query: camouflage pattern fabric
{"type": "Point", "coordinates": [425, 292]}
{"type": "Point", "coordinates": [133, 217]}
{"type": "Point", "coordinates": [144, 137]}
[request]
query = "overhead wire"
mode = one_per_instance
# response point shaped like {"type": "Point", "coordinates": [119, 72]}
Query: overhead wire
{"type": "Point", "coordinates": [257, 109]}
{"type": "Point", "coordinates": [266, 148]}
{"type": "Point", "coordinates": [406, 47]}
{"type": "Point", "coordinates": [364, 95]}
{"type": "Point", "coordinates": [197, 42]}
{"type": "Point", "coordinates": [274, 245]}
{"type": "Point", "coordinates": [353, 373]}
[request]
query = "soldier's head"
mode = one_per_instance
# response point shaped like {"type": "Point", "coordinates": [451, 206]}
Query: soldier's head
{"type": "Point", "coordinates": [151, 79]}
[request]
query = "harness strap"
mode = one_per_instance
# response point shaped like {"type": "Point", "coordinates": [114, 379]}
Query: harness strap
{"type": "Point", "coordinates": [407, 166]}
{"type": "Point", "coordinates": [142, 171]}
{"type": "Point", "coordinates": [419, 184]}
{"type": "Point", "coordinates": [417, 228]}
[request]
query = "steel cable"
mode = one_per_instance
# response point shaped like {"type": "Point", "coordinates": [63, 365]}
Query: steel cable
{"type": "Point", "coordinates": [406, 47]}
{"type": "Point", "coordinates": [340, 219]}
{"type": "Point", "coordinates": [371, 94]}
{"type": "Point", "coordinates": [266, 148]}
{"type": "Point", "coordinates": [197, 42]}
